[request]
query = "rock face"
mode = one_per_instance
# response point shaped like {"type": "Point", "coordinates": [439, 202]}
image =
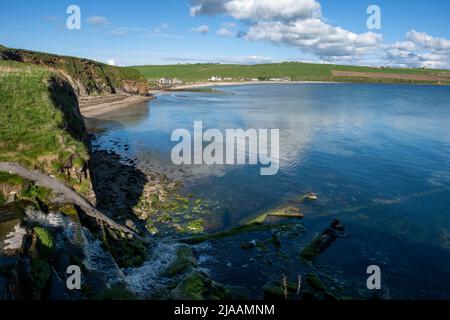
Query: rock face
{"type": "Point", "coordinates": [37, 247]}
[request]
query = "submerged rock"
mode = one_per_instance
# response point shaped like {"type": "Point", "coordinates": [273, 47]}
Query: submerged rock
{"type": "Point", "coordinates": [323, 241]}
{"type": "Point", "coordinates": [273, 292]}
{"type": "Point", "coordinates": [248, 245]}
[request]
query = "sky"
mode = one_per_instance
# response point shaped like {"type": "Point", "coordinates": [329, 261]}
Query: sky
{"type": "Point", "coordinates": [412, 33]}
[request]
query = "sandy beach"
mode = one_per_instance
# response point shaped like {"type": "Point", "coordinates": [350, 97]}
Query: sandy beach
{"type": "Point", "coordinates": [94, 106]}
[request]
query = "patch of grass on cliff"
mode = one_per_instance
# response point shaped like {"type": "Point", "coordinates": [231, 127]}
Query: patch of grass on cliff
{"type": "Point", "coordinates": [33, 129]}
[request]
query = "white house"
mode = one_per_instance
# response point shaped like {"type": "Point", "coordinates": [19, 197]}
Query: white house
{"type": "Point", "coordinates": [176, 82]}
{"type": "Point", "coordinates": [215, 78]}
{"type": "Point", "coordinates": [165, 81]}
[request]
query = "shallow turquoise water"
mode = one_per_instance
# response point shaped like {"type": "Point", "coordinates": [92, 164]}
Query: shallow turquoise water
{"type": "Point", "coordinates": [378, 156]}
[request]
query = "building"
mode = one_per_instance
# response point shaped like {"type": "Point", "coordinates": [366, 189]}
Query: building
{"type": "Point", "coordinates": [165, 82]}
{"type": "Point", "coordinates": [176, 82]}
{"type": "Point", "coordinates": [282, 79]}
{"type": "Point", "coordinates": [215, 78]}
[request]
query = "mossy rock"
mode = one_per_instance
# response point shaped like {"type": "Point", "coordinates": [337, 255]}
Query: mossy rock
{"type": "Point", "coordinates": [40, 275]}
{"type": "Point", "coordinates": [273, 292]}
{"type": "Point", "coordinates": [246, 228]}
{"type": "Point", "coordinates": [314, 281]}
{"type": "Point", "coordinates": [115, 293]}
{"type": "Point", "coordinates": [128, 253]}
{"type": "Point", "coordinates": [185, 260]}
{"type": "Point", "coordinates": [154, 200]}
{"type": "Point", "coordinates": [312, 249]}
{"type": "Point", "coordinates": [197, 285]}
{"type": "Point", "coordinates": [195, 226]}
{"type": "Point", "coordinates": [191, 287]}
{"type": "Point", "coordinates": [68, 209]}
{"type": "Point", "coordinates": [284, 211]}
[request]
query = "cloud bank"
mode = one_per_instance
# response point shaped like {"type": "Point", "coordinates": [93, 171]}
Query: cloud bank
{"type": "Point", "coordinates": [301, 24]}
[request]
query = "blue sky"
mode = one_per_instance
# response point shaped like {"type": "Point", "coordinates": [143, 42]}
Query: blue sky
{"type": "Point", "coordinates": [163, 32]}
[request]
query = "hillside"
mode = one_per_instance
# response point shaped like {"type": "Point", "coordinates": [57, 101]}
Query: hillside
{"type": "Point", "coordinates": [87, 77]}
{"type": "Point", "coordinates": [296, 71]}
{"type": "Point", "coordinates": [41, 128]}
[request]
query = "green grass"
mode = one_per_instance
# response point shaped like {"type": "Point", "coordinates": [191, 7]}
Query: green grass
{"type": "Point", "coordinates": [296, 71]}
{"type": "Point", "coordinates": [34, 123]}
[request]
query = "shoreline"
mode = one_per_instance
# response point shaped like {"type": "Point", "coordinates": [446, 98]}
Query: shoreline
{"type": "Point", "coordinates": [199, 85]}
{"type": "Point", "coordinates": [95, 106]}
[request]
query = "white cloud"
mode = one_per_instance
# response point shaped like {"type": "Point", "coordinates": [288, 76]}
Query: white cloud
{"type": "Point", "coordinates": [257, 10]}
{"type": "Point", "coordinates": [313, 35]}
{"type": "Point", "coordinates": [428, 42]}
{"type": "Point", "coordinates": [300, 24]}
{"type": "Point", "coordinates": [163, 27]}
{"type": "Point", "coordinates": [201, 29]}
{"type": "Point", "coordinates": [111, 62]}
{"type": "Point", "coordinates": [224, 32]}
{"type": "Point", "coordinates": [97, 21]}
{"type": "Point", "coordinates": [297, 23]}
{"type": "Point", "coordinates": [228, 29]}
{"type": "Point", "coordinates": [419, 50]}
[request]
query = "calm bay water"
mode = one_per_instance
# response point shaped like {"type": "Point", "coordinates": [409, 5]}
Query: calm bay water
{"type": "Point", "coordinates": [378, 156]}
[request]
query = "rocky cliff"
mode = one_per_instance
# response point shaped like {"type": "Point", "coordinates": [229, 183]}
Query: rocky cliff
{"type": "Point", "coordinates": [87, 77]}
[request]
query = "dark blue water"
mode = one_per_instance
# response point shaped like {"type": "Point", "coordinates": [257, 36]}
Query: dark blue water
{"type": "Point", "coordinates": [378, 156]}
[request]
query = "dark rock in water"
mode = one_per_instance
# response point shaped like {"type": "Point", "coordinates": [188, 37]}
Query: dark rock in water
{"type": "Point", "coordinates": [273, 292]}
{"type": "Point", "coordinates": [239, 293]}
{"type": "Point", "coordinates": [337, 225]}
{"type": "Point", "coordinates": [323, 241]}
{"type": "Point", "coordinates": [309, 197]}
{"type": "Point", "coordinates": [276, 241]}
{"type": "Point", "coordinates": [313, 280]}
{"type": "Point", "coordinates": [248, 245]}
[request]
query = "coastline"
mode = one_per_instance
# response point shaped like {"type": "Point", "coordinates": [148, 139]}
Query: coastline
{"type": "Point", "coordinates": [198, 85]}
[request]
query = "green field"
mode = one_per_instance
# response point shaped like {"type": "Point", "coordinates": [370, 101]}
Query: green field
{"type": "Point", "coordinates": [202, 72]}
{"type": "Point", "coordinates": [296, 71]}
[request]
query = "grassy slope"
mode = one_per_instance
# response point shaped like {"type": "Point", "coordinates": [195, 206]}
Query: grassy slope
{"type": "Point", "coordinates": [39, 126]}
{"type": "Point", "coordinates": [89, 72]}
{"type": "Point", "coordinates": [294, 70]}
